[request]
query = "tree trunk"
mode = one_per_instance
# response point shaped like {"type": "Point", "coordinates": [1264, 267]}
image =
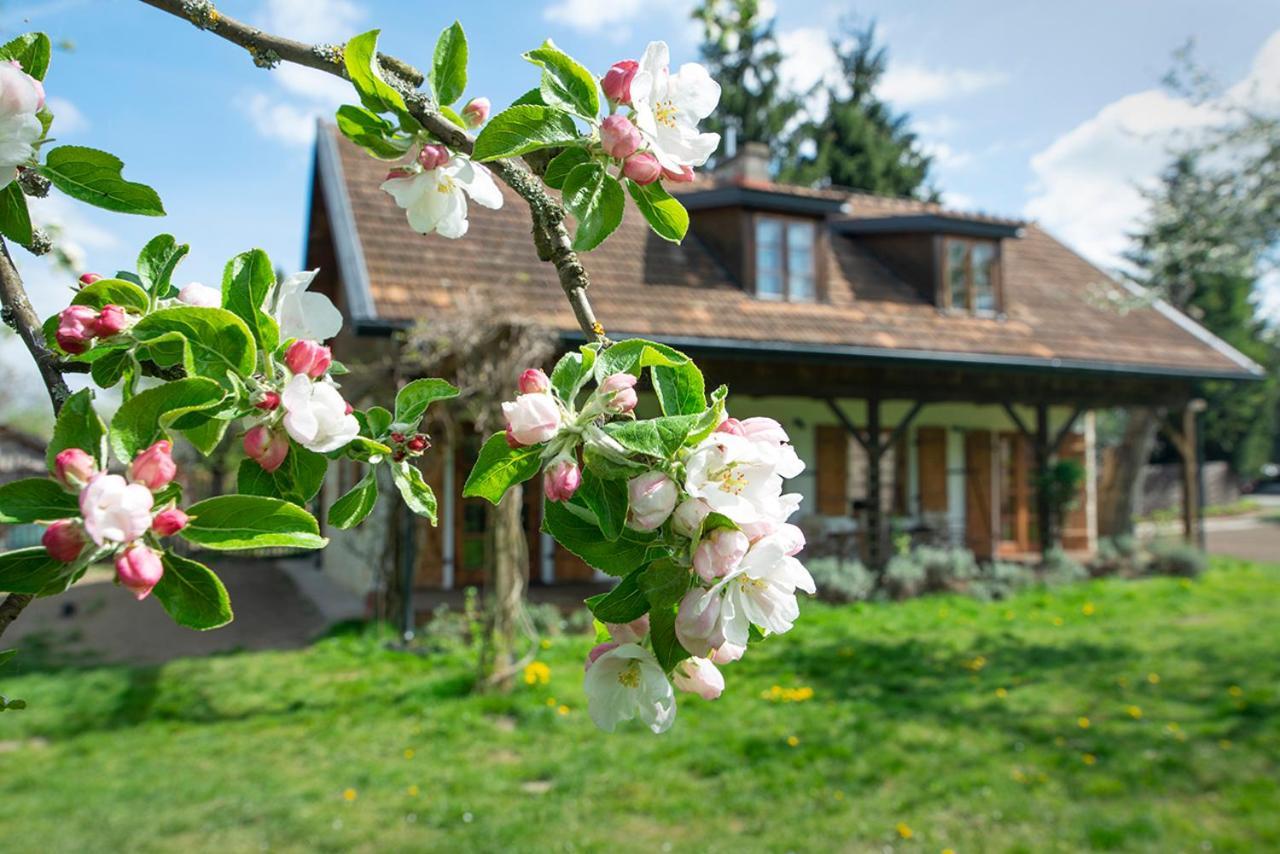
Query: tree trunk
{"type": "Point", "coordinates": [1119, 501]}
{"type": "Point", "coordinates": [510, 571]}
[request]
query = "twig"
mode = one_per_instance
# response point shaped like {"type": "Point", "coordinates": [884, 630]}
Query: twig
{"type": "Point", "coordinates": [550, 235]}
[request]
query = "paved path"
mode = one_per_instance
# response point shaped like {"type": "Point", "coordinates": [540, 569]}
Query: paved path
{"type": "Point", "coordinates": [1260, 542]}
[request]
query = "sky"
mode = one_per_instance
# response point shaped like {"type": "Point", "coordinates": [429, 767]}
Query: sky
{"type": "Point", "coordinates": [1051, 111]}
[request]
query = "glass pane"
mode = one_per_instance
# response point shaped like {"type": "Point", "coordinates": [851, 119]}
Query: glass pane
{"type": "Point", "coordinates": [956, 274]}
{"type": "Point", "coordinates": [984, 292]}
{"type": "Point", "coordinates": [768, 284]}
{"type": "Point", "coordinates": [768, 258]}
{"type": "Point", "coordinates": [800, 272]}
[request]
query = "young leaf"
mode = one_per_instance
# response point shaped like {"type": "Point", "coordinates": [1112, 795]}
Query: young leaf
{"type": "Point", "coordinates": [608, 500]}
{"type": "Point", "coordinates": [251, 522]}
{"type": "Point", "coordinates": [110, 368]}
{"type": "Point", "coordinates": [595, 199]}
{"type": "Point", "coordinates": [297, 481]}
{"type": "Point", "coordinates": [449, 65]}
{"type": "Point", "coordinates": [361, 59]}
{"type": "Point", "coordinates": [351, 509]}
{"type": "Point", "coordinates": [147, 416]}
{"type": "Point", "coordinates": [206, 341]}
{"type": "Point", "coordinates": [112, 291]}
{"type": "Point", "coordinates": [572, 371]}
{"type": "Point", "coordinates": [573, 527]}
{"type": "Point", "coordinates": [706, 422]}
{"type": "Point", "coordinates": [655, 437]}
{"type": "Point", "coordinates": [246, 281]}
{"type": "Point", "coordinates": [192, 594]}
{"type": "Point", "coordinates": [378, 419]}
{"type": "Point", "coordinates": [622, 604]}
{"type": "Point", "coordinates": [665, 582]}
{"type": "Point", "coordinates": [412, 400]}
{"type": "Point", "coordinates": [565, 83]}
{"type": "Point", "coordinates": [30, 571]}
{"type": "Point", "coordinates": [94, 177]}
{"type": "Point", "coordinates": [15, 219]}
{"type": "Point", "coordinates": [29, 50]}
{"type": "Point", "coordinates": [681, 389]}
{"type": "Point", "coordinates": [562, 164]}
{"type": "Point", "coordinates": [157, 261]}
{"type": "Point", "coordinates": [662, 635]}
{"type": "Point", "coordinates": [78, 426]}
{"type": "Point", "coordinates": [634, 354]}
{"type": "Point", "coordinates": [35, 499]}
{"type": "Point", "coordinates": [414, 490]}
{"type": "Point", "coordinates": [521, 129]}
{"type": "Point", "coordinates": [665, 215]}
{"type": "Point", "coordinates": [374, 134]}
{"type": "Point", "coordinates": [500, 467]}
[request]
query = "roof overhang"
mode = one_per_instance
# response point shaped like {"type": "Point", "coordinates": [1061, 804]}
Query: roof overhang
{"type": "Point", "coordinates": [928, 224]}
{"type": "Point", "coordinates": [759, 199]}
{"type": "Point", "coordinates": [346, 239]}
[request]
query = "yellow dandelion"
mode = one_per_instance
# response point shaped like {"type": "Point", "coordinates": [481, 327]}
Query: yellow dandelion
{"type": "Point", "coordinates": [1134, 712]}
{"type": "Point", "coordinates": [943, 612]}
{"type": "Point", "coordinates": [408, 753]}
{"type": "Point", "coordinates": [349, 794]}
{"type": "Point", "coordinates": [1089, 759]}
{"type": "Point", "coordinates": [1123, 681]}
{"type": "Point", "coordinates": [1059, 741]}
{"type": "Point", "coordinates": [562, 710]}
{"type": "Point", "coordinates": [551, 701]}
{"type": "Point", "coordinates": [1018, 776]}
{"type": "Point", "coordinates": [545, 643]}
{"type": "Point", "coordinates": [1235, 691]}
{"type": "Point", "coordinates": [536, 673]}
{"type": "Point", "coordinates": [839, 795]}
{"type": "Point", "coordinates": [1082, 722]}
{"type": "Point", "coordinates": [1088, 609]}
{"type": "Point", "coordinates": [1225, 744]}
{"type": "Point", "coordinates": [1002, 693]}
{"type": "Point", "coordinates": [1057, 621]}
{"type": "Point", "coordinates": [792, 741]}
{"type": "Point", "coordinates": [412, 791]}
{"type": "Point", "coordinates": [1153, 678]}
{"type": "Point", "coordinates": [976, 664]}
{"type": "Point", "coordinates": [904, 831]}
{"type": "Point", "coordinates": [948, 851]}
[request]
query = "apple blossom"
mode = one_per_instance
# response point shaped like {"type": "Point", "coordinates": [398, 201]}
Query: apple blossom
{"type": "Point", "coordinates": [436, 199]}
{"type": "Point", "coordinates": [642, 167]}
{"type": "Point", "coordinates": [316, 416]}
{"type": "Point", "coordinates": [532, 418]}
{"type": "Point", "coordinates": [114, 510]}
{"type": "Point", "coordinates": [88, 278]}
{"type": "Point", "coordinates": [617, 81]}
{"type": "Point", "coordinates": [683, 176]}
{"type": "Point", "coordinates": [73, 468]}
{"type": "Point", "coordinates": [699, 676]}
{"type": "Point", "coordinates": [200, 296]}
{"type": "Point", "coordinates": [720, 553]}
{"type": "Point", "coordinates": [625, 683]}
{"type": "Point", "coordinates": [561, 479]}
{"type": "Point", "coordinates": [688, 516]}
{"type": "Point", "coordinates": [303, 314]}
{"type": "Point", "coordinates": [763, 592]}
{"type": "Point", "coordinates": [632, 632]}
{"type": "Point", "coordinates": [734, 477]}
{"type": "Point", "coordinates": [669, 106]}
{"type": "Point", "coordinates": [418, 443]}
{"type": "Point", "coordinates": [308, 357]}
{"type": "Point", "coordinates": [619, 393]}
{"type": "Point", "coordinates": [732, 426]}
{"type": "Point", "coordinates": [476, 112]}
{"type": "Point", "coordinates": [21, 97]}
{"type": "Point", "coordinates": [266, 447]}
{"type": "Point", "coordinates": [619, 137]}
{"type": "Point", "coordinates": [268, 401]}
{"type": "Point", "coordinates": [110, 321]}
{"type": "Point", "coordinates": [698, 620]}
{"type": "Point", "coordinates": [653, 497]}
{"type": "Point", "coordinates": [774, 442]}
{"type": "Point", "coordinates": [154, 468]}
{"type": "Point", "coordinates": [139, 569]}
{"type": "Point", "coordinates": [64, 540]}
{"type": "Point", "coordinates": [75, 328]}
{"type": "Point", "coordinates": [169, 522]}
{"type": "Point", "coordinates": [597, 651]}
{"type": "Point", "coordinates": [533, 381]}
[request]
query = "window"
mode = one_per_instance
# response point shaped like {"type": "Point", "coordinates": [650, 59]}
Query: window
{"type": "Point", "coordinates": [785, 259]}
{"type": "Point", "coordinates": [971, 276]}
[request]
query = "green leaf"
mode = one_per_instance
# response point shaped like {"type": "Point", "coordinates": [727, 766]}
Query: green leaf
{"type": "Point", "coordinates": [532, 98]}
{"type": "Point", "coordinates": [595, 199]}
{"type": "Point", "coordinates": [297, 481]}
{"type": "Point", "coordinates": [205, 437]}
{"type": "Point", "coordinates": [6, 655]}
{"type": "Point", "coordinates": [31, 51]}
{"type": "Point", "coordinates": [607, 499]}
{"type": "Point", "coordinates": [94, 177]}
{"type": "Point", "coordinates": [374, 134]}
{"type": "Point", "coordinates": [655, 437]}
{"type": "Point", "coordinates": [449, 65]}
{"type": "Point", "coordinates": [35, 499]}
{"type": "Point", "coordinates": [562, 164]}
{"type": "Point", "coordinates": [662, 636]}
{"type": "Point", "coordinates": [634, 354]}
{"type": "Point", "coordinates": [206, 341]}
{"type": "Point", "coordinates": [157, 261]}
{"type": "Point", "coordinates": [246, 281]}
{"type": "Point", "coordinates": [574, 527]}
{"type": "Point", "coordinates": [572, 371]}
{"type": "Point", "coordinates": [681, 389]}
{"type": "Point", "coordinates": [148, 415]}
{"type": "Point", "coordinates": [192, 594]}
{"type": "Point", "coordinates": [361, 59]}
{"type": "Point", "coordinates": [78, 426]}
{"type": "Point", "coordinates": [665, 215]}
{"type": "Point", "coordinates": [110, 368]}
{"type": "Point", "coordinates": [565, 83]}
{"type": "Point", "coordinates": [521, 129]}
{"type": "Point", "coordinates": [414, 490]}
{"type": "Point", "coordinates": [379, 420]}
{"type": "Point", "coordinates": [622, 604]}
{"type": "Point", "coordinates": [412, 400]}
{"type": "Point", "coordinates": [500, 467]}
{"type": "Point", "coordinates": [351, 509]}
{"type": "Point", "coordinates": [30, 571]}
{"type": "Point", "coordinates": [230, 522]}
{"type": "Point", "coordinates": [706, 423]}
{"type": "Point", "coordinates": [112, 292]}
{"type": "Point", "coordinates": [15, 219]}
{"type": "Point", "coordinates": [665, 582]}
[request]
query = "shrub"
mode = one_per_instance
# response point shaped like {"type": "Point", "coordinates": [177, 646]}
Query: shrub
{"type": "Point", "coordinates": [946, 569]}
{"type": "Point", "coordinates": [1177, 559]}
{"type": "Point", "coordinates": [1121, 555]}
{"type": "Point", "coordinates": [1057, 569]}
{"type": "Point", "coordinates": [904, 576]}
{"type": "Point", "coordinates": [1000, 580]}
{"type": "Point", "coordinates": [841, 581]}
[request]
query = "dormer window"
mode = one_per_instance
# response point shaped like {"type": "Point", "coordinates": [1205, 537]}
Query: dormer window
{"type": "Point", "coordinates": [971, 275]}
{"type": "Point", "coordinates": [784, 260]}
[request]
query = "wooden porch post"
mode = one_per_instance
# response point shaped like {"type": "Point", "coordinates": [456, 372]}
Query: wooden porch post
{"type": "Point", "coordinates": [1044, 512]}
{"type": "Point", "coordinates": [1187, 444]}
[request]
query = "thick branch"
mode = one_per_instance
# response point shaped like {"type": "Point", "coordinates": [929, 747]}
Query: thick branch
{"type": "Point", "coordinates": [549, 233]}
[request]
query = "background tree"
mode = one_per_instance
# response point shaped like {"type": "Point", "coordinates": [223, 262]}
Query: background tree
{"type": "Point", "coordinates": [860, 142]}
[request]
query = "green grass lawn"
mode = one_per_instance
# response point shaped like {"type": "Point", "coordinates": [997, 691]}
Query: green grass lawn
{"type": "Point", "coordinates": [1136, 715]}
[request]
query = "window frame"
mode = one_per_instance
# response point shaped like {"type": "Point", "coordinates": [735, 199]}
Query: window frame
{"type": "Point", "coordinates": [815, 266]}
{"type": "Point", "coordinates": [944, 280]}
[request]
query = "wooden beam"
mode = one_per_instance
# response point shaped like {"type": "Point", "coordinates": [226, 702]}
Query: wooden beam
{"type": "Point", "coordinates": [1065, 429]}
{"type": "Point", "coordinates": [1017, 419]}
{"type": "Point", "coordinates": [875, 512]}
{"type": "Point", "coordinates": [848, 424]}
{"type": "Point", "coordinates": [898, 431]}
{"type": "Point", "coordinates": [1044, 522]}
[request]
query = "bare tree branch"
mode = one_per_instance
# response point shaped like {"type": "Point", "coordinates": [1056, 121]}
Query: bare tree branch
{"type": "Point", "coordinates": [550, 235]}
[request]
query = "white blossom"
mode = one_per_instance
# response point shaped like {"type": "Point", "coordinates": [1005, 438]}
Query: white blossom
{"type": "Point", "coordinates": [303, 314]}
{"type": "Point", "coordinates": [114, 510]}
{"type": "Point", "coordinates": [21, 98]}
{"type": "Point", "coordinates": [627, 683]}
{"type": "Point", "coordinates": [669, 106]}
{"type": "Point", "coordinates": [763, 592]}
{"type": "Point", "coordinates": [436, 199]}
{"type": "Point", "coordinates": [731, 475]}
{"type": "Point", "coordinates": [316, 416]}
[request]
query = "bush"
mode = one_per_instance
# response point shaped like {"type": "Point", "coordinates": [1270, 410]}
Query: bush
{"type": "Point", "coordinates": [946, 569]}
{"type": "Point", "coordinates": [841, 581]}
{"type": "Point", "coordinates": [1177, 559]}
{"type": "Point", "coordinates": [904, 576]}
{"type": "Point", "coordinates": [1120, 555]}
{"type": "Point", "coordinates": [1000, 580]}
{"type": "Point", "coordinates": [1057, 569]}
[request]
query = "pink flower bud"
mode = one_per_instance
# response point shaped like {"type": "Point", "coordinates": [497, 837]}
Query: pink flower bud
{"type": "Point", "coordinates": [268, 449]}
{"type": "Point", "coordinates": [512, 441]}
{"type": "Point", "coordinates": [533, 418]}
{"type": "Point", "coordinates": [169, 522]}
{"type": "Point", "coordinates": [269, 401]}
{"type": "Point", "coordinates": [619, 137]}
{"type": "Point", "coordinates": [88, 278]}
{"type": "Point", "coordinates": [619, 392]}
{"type": "Point", "coordinates": [732, 426]}
{"type": "Point", "coordinates": [561, 480]}
{"type": "Point", "coordinates": [632, 632]}
{"type": "Point", "coordinates": [532, 381]}
{"type": "Point", "coordinates": [154, 468]}
{"type": "Point", "coordinates": [308, 357]}
{"type": "Point", "coordinates": [727, 653]}
{"type": "Point", "coordinates": [75, 328]}
{"type": "Point", "coordinates": [653, 497]}
{"type": "Point", "coordinates": [139, 569]}
{"type": "Point", "coordinates": [64, 540]}
{"type": "Point", "coordinates": [642, 167]}
{"type": "Point", "coordinates": [418, 443]}
{"type": "Point", "coordinates": [684, 176]}
{"type": "Point", "coordinates": [73, 468]}
{"type": "Point", "coordinates": [687, 520]}
{"type": "Point", "coordinates": [699, 676]}
{"type": "Point", "coordinates": [597, 651]}
{"type": "Point", "coordinates": [720, 553]}
{"type": "Point", "coordinates": [110, 321]}
{"type": "Point", "coordinates": [433, 156]}
{"type": "Point", "coordinates": [476, 112]}
{"type": "Point", "coordinates": [617, 81]}
{"type": "Point", "coordinates": [698, 621]}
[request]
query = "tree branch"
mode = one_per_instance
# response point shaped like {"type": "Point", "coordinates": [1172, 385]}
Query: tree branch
{"type": "Point", "coordinates": [550, 235]}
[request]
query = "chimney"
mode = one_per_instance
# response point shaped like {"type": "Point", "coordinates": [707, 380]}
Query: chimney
{"type": "Point", "coordinates": [750, 163]}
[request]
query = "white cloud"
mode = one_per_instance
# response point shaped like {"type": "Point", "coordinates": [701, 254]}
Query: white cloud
{"type": "Point", "coordinates": [67, 117]}
{"type": "Point", "coordinates": [593, 16]}
{"type": "Point", "coordinates": [1087, 182]}
{"type": "Point", "coordinates": [807, 58]}
{"type": "Point", "coordinates": [909, 85]}
{"type": "Point", "coordinates": [280, 119]}
{"type": "Point", "coordinates": [944, 156]}
{"type": "Point", "coordinates": [313, 20]}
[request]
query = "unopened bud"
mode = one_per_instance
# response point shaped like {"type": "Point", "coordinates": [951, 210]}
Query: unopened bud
{"type": "Point", "coordinates": [433, 156]}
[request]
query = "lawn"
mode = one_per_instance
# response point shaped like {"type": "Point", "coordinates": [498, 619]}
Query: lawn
{"type": "Point", "coordinates": [1135, 715]}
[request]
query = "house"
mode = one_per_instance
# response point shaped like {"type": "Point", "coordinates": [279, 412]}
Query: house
{"type": "Point", "coordinates": [927, 363]}
{"type": "Point", "coordinates": [21, 456]}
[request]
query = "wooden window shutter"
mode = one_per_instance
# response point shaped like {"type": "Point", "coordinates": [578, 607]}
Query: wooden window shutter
{"type": "Point", "coordinates": [1075, 528]}
{"type": "Point", "coordinates": [979, 493]}
{"type": "Point", "coordinates": [833, 470]}
{"type": "Point", "coordinates": [931, 465]}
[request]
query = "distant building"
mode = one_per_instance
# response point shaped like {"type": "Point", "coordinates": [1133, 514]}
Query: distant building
{"type": "Point", "coordinates": [21, 455]}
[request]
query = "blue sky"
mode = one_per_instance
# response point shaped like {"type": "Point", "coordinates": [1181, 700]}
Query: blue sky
{"type": "Point", "coordinates": [1037, 109]}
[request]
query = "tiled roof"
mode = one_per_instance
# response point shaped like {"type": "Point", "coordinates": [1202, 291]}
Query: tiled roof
{"type": "Point", "coordinates": [642, 285]}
